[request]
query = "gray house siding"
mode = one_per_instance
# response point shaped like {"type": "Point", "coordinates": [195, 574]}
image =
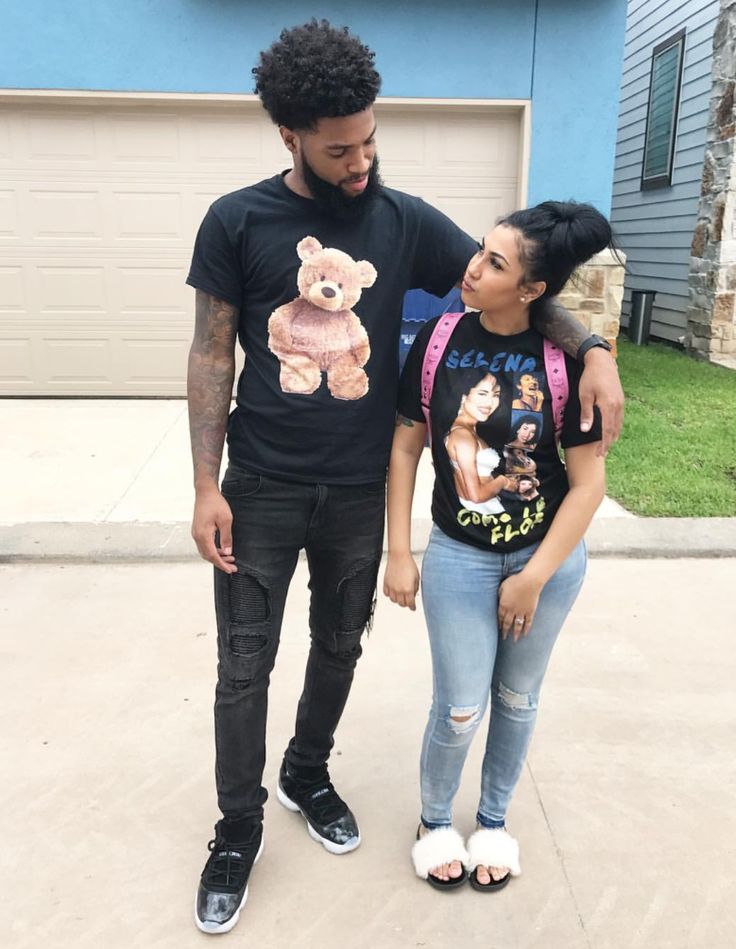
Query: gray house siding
{"type": "Point", "coordinates": [655, 228]}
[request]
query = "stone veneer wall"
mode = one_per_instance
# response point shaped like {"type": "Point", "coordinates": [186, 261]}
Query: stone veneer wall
{"type": "Point", "coordinates": [712, 311]}
{"type": "Point", "coordinates": [595, 293]}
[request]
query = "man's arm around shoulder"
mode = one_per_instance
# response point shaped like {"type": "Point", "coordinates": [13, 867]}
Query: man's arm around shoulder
{"type": "Point", "coordinates": [599, 383]}
{"type": "Point", "coordinates": [210, 376]}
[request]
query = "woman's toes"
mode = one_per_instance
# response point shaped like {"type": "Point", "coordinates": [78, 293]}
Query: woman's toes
{"type": "Point", "coordinates": [440, 873]}
{"type": "Point", "coordinates": [482, 876]}
{"type": "Point", "coordinates": [455, 869]}
{"type": "Point", "coordinates": [498, 873]}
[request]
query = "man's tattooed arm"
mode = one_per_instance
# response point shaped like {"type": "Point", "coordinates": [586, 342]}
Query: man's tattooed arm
{"type": "Point", "coordinates": [209, 390]}
{"type": "Point", "coordinates": [599, 383]}
{"type": "Point", "coordinates": [560, 326]}
{"type": "Point", "coordinates": [210, 384]}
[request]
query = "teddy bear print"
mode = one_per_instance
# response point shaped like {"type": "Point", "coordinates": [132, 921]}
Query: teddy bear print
{"type": "Point", "coordinates": [318, 331]}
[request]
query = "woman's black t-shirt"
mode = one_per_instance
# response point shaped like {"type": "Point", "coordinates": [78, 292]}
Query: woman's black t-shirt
{"type": "Point", "coordinates": [499, 479]}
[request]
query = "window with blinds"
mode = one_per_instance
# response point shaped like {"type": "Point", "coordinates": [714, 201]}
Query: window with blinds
{"type": "Point", "coordinates": [664, 97]}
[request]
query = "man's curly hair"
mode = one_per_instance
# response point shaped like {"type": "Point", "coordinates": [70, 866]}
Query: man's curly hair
{"type": "Point", "coordinates": [315, 71]}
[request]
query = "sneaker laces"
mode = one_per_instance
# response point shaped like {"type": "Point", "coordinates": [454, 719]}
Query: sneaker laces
{"type": "Point", "coordinates": [228, 867]}
{"type": "Point", "coordinates": [325, 804]}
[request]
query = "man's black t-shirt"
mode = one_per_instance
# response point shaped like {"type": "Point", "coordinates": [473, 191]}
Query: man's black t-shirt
{"type": "Point", "coordinates": [310, 406]}
{"type": "Point", "coordinates": [499, 479]}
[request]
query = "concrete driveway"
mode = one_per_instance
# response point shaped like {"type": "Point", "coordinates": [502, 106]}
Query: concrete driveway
{"type": "Point", "coordinates": [625, 813]}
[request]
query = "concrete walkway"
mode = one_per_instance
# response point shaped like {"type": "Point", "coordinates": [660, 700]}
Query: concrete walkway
{"type": "Point", "coordinates": [113, 461]}
{"type": "Point", "coordinates": [110, 481]}
{"type": "Point", "coordinates": [626, 812]}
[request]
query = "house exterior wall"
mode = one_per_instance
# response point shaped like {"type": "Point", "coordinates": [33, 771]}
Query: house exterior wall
{"type": "Point", "coordinates": [655, 227]}
{"type": "Point", "coordinates": [594, 295]}
{"type": "Point", "coordinates": [712, 313]}
{"type": "Point", "coordinates": [120, 123]}
{"type": "Point", "coordinates": [564, 55]}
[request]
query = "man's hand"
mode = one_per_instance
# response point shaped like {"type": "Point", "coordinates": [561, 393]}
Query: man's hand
{"type": "Point", "coordinates": [601, 386]}
{"type": "Point", "coordinates": [212, 516]}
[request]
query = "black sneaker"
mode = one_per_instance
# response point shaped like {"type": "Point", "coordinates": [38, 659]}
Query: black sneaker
{"type": "Point", "coordinates": [329, 820]}
{"type": "Point", "coordinates": [223, 888]}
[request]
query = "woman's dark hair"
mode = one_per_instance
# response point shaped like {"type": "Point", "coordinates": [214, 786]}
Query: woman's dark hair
{"type": "Point", "coordinates": [556, 238]}
{"type": "Point", "coordinates": [315, 71]}
{"type": "Point", "coordinates": [525, 420]}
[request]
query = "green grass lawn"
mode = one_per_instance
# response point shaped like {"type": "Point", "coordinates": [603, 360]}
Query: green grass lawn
{"type": "Point", "coordinates": [677, 454]}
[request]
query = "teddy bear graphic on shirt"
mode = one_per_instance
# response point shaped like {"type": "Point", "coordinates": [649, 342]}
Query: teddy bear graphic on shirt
{"type": "Point", "coordinates": [318, 332]}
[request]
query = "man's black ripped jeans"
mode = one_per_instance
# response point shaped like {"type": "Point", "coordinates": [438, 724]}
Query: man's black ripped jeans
{"type": "Point", "coordinates": [341, 529]}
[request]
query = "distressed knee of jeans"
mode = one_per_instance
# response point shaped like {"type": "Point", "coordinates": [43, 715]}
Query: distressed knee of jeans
{"type": "Point", "coordinates": [348, 645]}
{"type": "Point", "coordinates": [463, 719]}
{"type": "Point", "coordinates": [240, 685]}
{"type": "Point", "coordinates": [516, 701]}
{"type": "Point", "coordinates": [250, 599]}
{"type": "Point", "coordinates": [357, 592]}
{"type": "Point", "coordinates": [246, 642]}
{"type": "Point", "coordinates": [247, 630]}
{"type": "Point", "coordinates": [242, 663]}
{"type": "Point", "coordinates": [234, 675]}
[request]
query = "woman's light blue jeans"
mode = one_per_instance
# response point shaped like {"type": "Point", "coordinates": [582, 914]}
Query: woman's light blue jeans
{"type": "Point", "coordinates": [470, 661]}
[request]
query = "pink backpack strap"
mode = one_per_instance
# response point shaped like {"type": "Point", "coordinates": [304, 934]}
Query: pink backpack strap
{"type": "Point", "coordinates": [554, 363]}
{"type": "Point", "coordinates": [432, 356]}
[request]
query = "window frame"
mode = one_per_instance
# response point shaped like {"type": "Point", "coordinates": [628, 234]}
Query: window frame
{"type": "Point", "coordinates": [664, 180]}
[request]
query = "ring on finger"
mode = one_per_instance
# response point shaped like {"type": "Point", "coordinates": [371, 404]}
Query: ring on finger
{"type": "Point", "coordinates": [519, 620]}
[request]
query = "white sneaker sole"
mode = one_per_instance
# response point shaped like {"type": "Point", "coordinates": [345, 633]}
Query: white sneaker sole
{"type": "Point", "coordinates": [329, 845]}
{"type": "Point", "coordinates": [212, 928]}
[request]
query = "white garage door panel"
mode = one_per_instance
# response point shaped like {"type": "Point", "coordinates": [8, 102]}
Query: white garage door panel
{"type": "Point", "coordinates": [16, 360]}
{"type": "Point", "coordinates": [100, 204]}
{"type": "Point", "coordinates": [72, 359]}
{"type": "Point", "coordinates": [12, 294]}
{"type": "Point", "coordinates": [477, 218]}
{"type": "Point", "coordinates": [147, 357]}
{"type": "Point", "coordinates": [76, 362]}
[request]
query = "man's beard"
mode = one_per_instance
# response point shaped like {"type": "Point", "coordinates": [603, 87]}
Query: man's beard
{"type": "Point", "coordinates": [333, 200]}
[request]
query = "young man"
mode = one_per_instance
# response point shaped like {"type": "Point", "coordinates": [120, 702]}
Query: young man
{"type": "Point", "coordinates": [309, 440]}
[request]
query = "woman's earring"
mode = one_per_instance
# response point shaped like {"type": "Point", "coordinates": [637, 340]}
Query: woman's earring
{"type": "Point", "coordinates": [523, 299]}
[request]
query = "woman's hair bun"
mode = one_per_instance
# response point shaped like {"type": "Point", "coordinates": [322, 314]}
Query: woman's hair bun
{"type": "Point", "coordinates": [579, 231]}
{"type": "Point", "coordinates": [564, 210]}
{"type": "Point", "coordinates": [558, 236]}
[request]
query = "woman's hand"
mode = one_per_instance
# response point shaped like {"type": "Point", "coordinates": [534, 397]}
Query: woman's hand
{"type": "Point", "coordinates": [517, 603]}
{"type": "Point", "coordinates": [401, 580]}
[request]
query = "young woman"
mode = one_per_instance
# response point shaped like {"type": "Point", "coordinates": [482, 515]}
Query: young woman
{"type": "Point", "coordinates": [496, 586]}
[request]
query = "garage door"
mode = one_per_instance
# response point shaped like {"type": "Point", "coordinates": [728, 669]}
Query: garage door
{"type": "Point", "coordinates": [101, 200]}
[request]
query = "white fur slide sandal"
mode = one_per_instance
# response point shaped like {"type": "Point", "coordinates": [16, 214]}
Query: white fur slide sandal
{"type": "Point", "coordinates": [492, 847]}
{"type": "Point", "coordinates": [434, 848]}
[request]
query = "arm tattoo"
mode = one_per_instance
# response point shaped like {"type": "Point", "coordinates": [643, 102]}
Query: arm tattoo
{"type": "Point", "coordinates": [403, 420]}
{"type": "Point", "coordinates": [210, 381]}
{"type": "Point", "coordinates": [559, 326]}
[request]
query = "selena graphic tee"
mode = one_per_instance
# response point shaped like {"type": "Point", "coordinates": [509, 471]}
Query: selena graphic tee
{"type": "Point", "coordinates": [320, 303]}
{"type": "Point", "coordinates": [499, 479]}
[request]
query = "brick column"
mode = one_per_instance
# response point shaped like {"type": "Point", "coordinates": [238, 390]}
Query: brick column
{"type": "Point", "coordinates": [711, 315]}
{"type": "Point", "coordinates": [595, 293]}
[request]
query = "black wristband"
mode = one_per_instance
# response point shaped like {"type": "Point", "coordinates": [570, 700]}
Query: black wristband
{"type": "Point", "coordinates": [590, 343]}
